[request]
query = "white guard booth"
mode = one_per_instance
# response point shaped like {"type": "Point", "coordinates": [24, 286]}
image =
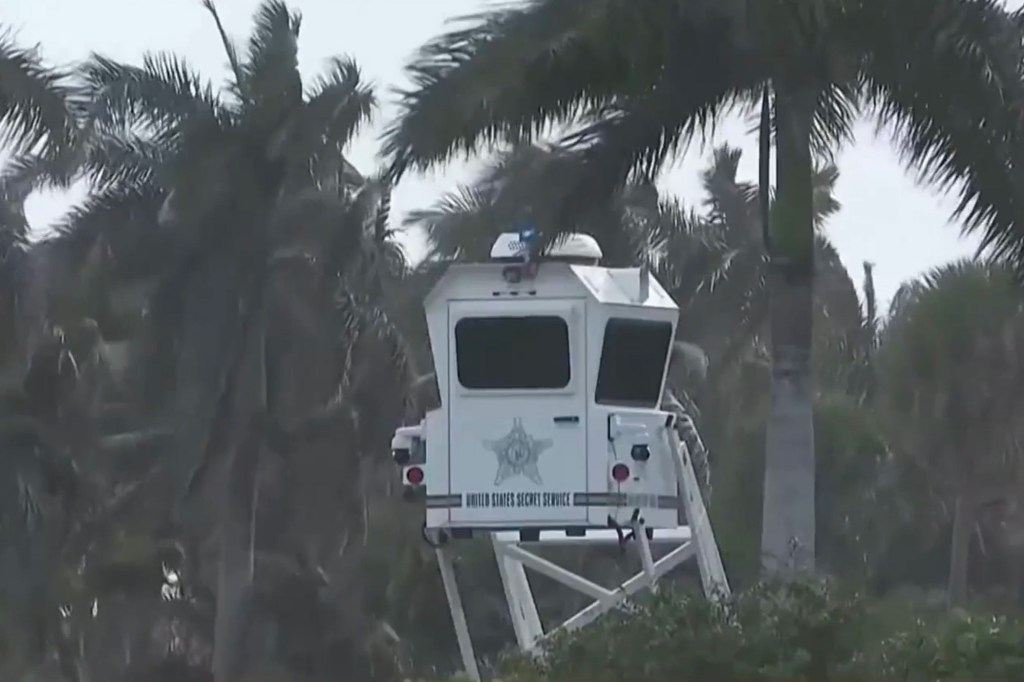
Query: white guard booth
{"type": "Point", "coordinates": [550, 372]}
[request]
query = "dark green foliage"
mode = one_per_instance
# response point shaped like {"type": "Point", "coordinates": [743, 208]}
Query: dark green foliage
{"type": "Point", "coordinates": [797, 631]}
{"type": "Point", "coordinates": [794, 631]}
{"type": "Point", "coordinates": [960, 647]}
{"type": "Point", "coordinates": [629, 85]}
{"type": "Point", "coordinates": [35, 102]}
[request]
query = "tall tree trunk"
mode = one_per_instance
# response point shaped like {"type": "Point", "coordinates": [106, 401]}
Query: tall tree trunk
{"type": "Point", "coordinates": [963, 528]}
{"type": "Point", "coordinates": [787, 540]}
{"type": "Point", "coordinates": [871, 312]}
{"type": "Point", "coordinates": [764, 164]}
{"type": "Point", "coordinates": [236, 570]}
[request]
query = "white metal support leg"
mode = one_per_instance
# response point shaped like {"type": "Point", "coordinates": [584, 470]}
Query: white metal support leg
{"type": "Point", "coordinates": [709, 561]}
{"type": "Point", "coordinates": [697, 538]}
{"type": "Point", "coordinates": [634, 585]}
{"type": "Point", "coordinates": [518, 555]}
{"type": "Point", "coordinates": [519, 596]}
{"type": "Point", "coordinates": [451, 589]}
{"type": "Point", "coordinates": [646, 558]}
{"type": "Point", "coordinates": [513, 558]}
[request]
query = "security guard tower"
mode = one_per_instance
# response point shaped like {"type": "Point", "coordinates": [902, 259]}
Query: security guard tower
{"type": "Point", "coordinates": [551, 370]}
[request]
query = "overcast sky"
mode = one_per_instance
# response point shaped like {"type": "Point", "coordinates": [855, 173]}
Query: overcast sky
{"type": "Point", "coordinates": [886, 219]}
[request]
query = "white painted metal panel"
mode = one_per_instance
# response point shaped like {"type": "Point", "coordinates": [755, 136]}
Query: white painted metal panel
{"type": "Point", "coordinates": [518, 456]}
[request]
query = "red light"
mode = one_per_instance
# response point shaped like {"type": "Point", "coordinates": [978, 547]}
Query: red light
{"type": "Point", "coordinates": [414, 475]}
{"type": "Point", "coordinates": [620, 472]}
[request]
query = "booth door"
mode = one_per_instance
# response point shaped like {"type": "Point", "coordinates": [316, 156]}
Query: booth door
{"type": "Point", "coordinates": [517, 411]}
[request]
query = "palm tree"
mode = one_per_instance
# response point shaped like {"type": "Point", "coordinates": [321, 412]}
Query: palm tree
{"type": "Point", "coordinates": [726, 288]}
{"type": "Point", "coordinates": [327, 363]}
{"type": "Point", "coordinates": [37, 114]}
{"type": "Point", "coordinates": [950, 385]}
{"type": "Point", "coordinates": [66, 491]}
{"type": "Point", "coordinates": [49, 378]}
{"type": "Point", "coordinates": [19, 310]}
{"type": "Point", "coordinates": [236, 217]}
{"type": "Point", "coordinates": [635, 85]}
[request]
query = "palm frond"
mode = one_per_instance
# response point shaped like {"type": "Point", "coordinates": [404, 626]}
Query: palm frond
{"type": "Point", "coordinates": [13, 224]}
{"type": "Point", "coordinates": [362, 317]}
{"type": "Point", "coordinates": [725, 293]}
{"type": "Point", "coordinates": [34, 101]}
{"type": "Point", "coordinates": [393, 262]}
{"type": "Point", "coordinates": [160, 95]}
{"type": "Point", "coordinates": [685, 243]}
{"type": "Point", "coordinates": [340, 102]}
{"type": "Point", "coordinates": [27, 173]}
{"type": "Point", "coordinates": [628, 229]}
{"type": "Point", "coordinates": [362, 321]}
{"type": "Point", "coordinates": [520, 162]}
{"type": "Point", "coordinates": [459, 224]}
{"type": "Point", "coordinates": [124, 159]}
{"type": "Point", "coordinates": [103, 208]}
{"type": "Point", "coordinates": [930, 381]}
{"type": "Point", "coordinates": [382, 229]}
{"type": "Point", "coordinates": [837, 109]}
{"type": "Point", "coordinates": [823, 200]}
{"type": "Point", "coordinates": [525, 184]}
{"type": "Point", "coordinates": [730, 201]}
{"type": "Point", "coordinates": [271, 68]}
{"type": "Point", "coordinates": [962, 47]}
{"type": "Point", "coordinates": [734, 204]}
{"type": "Point", "coordinates": [704, 76]}
{"type": "Point", "coordinates": [326, 230]}
{"type": "Point", "coordinates": [509, 73]}
{"type": "Point", "coordinates": [124, 219]}
{"type": "Point", "coordinates": [381, 260]}
{"type": "Point", "coordinates": [529, 184]}
{"type": "Point", "coordinates": [338, 105]}
{"type": "Point", "coordinates": [230, 50]}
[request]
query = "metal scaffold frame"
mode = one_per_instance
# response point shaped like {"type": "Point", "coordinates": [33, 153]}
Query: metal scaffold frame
{"type": "Point", "coordinates": [694, 540]}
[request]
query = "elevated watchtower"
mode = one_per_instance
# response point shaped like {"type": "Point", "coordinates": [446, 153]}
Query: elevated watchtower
{"type": "Point", "coordinates": [550, 371]}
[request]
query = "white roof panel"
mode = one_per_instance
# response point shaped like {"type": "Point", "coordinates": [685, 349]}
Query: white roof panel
{"type": "Point", "coordinates": [621, 286]}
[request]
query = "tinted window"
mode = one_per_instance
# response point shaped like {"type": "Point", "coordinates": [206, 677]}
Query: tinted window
{"type": "Point", "coordinates": [632, 362]}
{"type": "Point", "coordinates": [512, 352]}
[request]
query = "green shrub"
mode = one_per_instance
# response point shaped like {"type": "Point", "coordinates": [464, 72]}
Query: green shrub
{"type": "Point", "coordinates": [959, 647]}
{"type": "Point", "coordinates": [795, 631]}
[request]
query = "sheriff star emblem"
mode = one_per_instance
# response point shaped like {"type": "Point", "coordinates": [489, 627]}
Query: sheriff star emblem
{"type": "Point", "coordinates": [518, 453]}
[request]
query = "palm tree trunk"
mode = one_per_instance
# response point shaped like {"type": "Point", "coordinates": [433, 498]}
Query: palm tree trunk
{"type": "Point", "coordinates": [959, 553]}
{"type": "Point", "coordinates": [871, 312]}
{"type": "Point", "coordinates": [236, 571]}
{"type": "Point", "coordinates": [787, 540]}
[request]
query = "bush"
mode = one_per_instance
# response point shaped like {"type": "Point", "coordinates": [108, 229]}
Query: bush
{"type": "Point", "coordinates": [796, 631]}
{"type": "Point", "coordinates": [959, 647]}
